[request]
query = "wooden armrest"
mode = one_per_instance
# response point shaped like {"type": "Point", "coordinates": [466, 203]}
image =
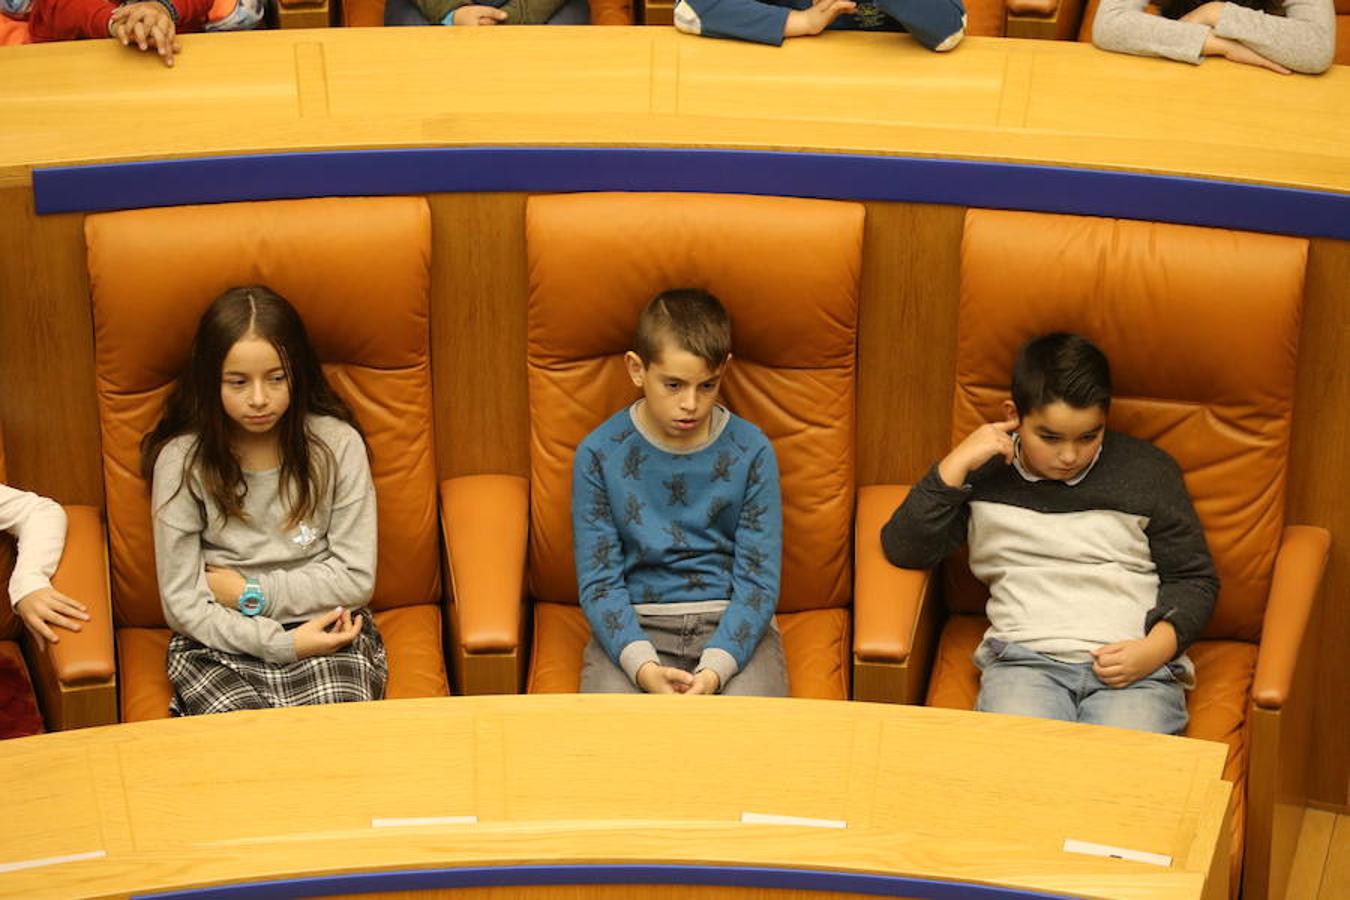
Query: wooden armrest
{"type": "Point", "coordinates": [75, 676]}
{"type": "Point", "coordinates": [886, 599]}
{"type": "Point", "coordinates": [1299, 566]}
{"type": "Point", "coordinates": [485, 526]}
{"type": "Point", "coordinates": [85, 655]}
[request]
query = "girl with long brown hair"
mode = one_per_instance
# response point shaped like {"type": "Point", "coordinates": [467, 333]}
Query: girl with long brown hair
{"type": "Point", "coordinates": [264, 520]}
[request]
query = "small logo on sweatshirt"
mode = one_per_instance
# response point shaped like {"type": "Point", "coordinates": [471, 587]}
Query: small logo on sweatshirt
{"type": "Point", "coordinates": [305, 535]}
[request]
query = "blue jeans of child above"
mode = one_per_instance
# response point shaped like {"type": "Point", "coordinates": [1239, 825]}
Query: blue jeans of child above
{"type": "Point", "coordinates": [1022, 682]}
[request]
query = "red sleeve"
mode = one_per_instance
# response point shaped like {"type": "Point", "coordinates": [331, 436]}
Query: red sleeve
{"type": "Point", "coordinates": [68, 20]}
{"type": "Point", "coordinates": [191, 13]}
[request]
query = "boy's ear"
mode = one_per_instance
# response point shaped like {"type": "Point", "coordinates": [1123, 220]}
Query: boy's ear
{"type": "Point", "coordinates": [636, 370]}
{"type": "Point", "coordinates": [1010, 412]}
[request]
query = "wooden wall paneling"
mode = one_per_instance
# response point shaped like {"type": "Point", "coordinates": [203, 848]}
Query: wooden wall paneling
{"type": "Point", "coordinates": [907, 339]}
{"type": "Point", "coordinates": [47, 367]}
{"type": "Point", "coordinates": [479, 287]}
{"type": "Point", "coordinates": [1319, 486]}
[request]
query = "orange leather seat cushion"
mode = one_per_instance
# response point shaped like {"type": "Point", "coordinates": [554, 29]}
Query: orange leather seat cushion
{"type": "Point", "coordinates": [1217, 705]}
{"type": "Point", "coordinates": [142, 658]}
{"type": "Point", "coordinates": [412, 638]}
{"type": "Point", "coordinates": [816, 643]}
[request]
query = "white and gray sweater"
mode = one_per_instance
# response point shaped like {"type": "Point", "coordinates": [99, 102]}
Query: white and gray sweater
{"type": "Point", "coordinates": [325, 562]}
{"type": "Point", "coordinates": [1070, 567]}
{"type": "Point", "coordinates": [1302, 39]}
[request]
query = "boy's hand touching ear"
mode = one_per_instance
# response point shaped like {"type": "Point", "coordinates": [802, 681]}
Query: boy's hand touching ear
{"type": "Point", "coordinates": [658, 679]}
{"type": "Point", "coordinates": [980, 446]}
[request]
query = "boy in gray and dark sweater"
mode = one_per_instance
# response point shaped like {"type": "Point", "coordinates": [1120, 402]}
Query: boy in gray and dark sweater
{"type": "Point", "coordinates": [1098, 572]}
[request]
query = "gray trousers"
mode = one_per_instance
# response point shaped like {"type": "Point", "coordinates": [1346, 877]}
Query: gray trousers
{"type": "Point", "coordinates": [679, 642]}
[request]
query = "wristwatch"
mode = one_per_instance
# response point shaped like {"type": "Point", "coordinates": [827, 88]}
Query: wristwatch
{"type": "Point", "coordinates": [252, 601]}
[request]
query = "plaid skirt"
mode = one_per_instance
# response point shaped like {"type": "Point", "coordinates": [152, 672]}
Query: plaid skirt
{"type": "Point", "coordinates": [210, 681]}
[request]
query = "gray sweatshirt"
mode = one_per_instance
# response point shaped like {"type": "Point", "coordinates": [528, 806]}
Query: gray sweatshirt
{"type": "Point", "coordinates": [1303, 39]}
{"type": "Point", "coordinates": [325, 562]}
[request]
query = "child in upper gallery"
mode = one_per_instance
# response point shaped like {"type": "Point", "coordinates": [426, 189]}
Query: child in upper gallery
{"type": "Point", "coordinates": [936, 24]}
{"type": "Point", "coordinates": [144, 24]}
{"type": "Point", "coordinates": [1280, 35]}
{"type": "Point", "coordinates": [39, 527]}
{"type": "Point", "coordinates": [264, 520]}
{"type": "Point", "coordinates": [677, 522]}
{"type": "Point", "coordinates": [1098, 572]}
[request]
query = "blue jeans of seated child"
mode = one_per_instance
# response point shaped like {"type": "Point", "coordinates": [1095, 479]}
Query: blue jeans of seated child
{"type": "Point", "coordinates": [936, 24]}
{"type": "Point", "coordinates": [1022, 682]}
{"type": "Point", "coordinates": [679, 641]}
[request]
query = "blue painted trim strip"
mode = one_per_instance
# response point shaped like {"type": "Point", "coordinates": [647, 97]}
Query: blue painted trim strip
{"type": "Point", "coordinates": [516, 876]}
{"type": "Point", "coordinates": [347, 173]}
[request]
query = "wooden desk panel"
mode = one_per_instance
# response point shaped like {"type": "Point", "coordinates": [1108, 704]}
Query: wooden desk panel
{"type": "Point", "coordinates": [992, 99]}
{"type": "Point", "coordinates": [565, 780]}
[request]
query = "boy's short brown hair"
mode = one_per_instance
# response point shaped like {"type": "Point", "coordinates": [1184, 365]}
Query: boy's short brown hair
{"type": "Point", "coordinates": [692, 319]}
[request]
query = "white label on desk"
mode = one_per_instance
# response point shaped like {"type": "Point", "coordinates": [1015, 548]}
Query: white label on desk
{"type": "Point", "coordinates": [423, 820]}
{"type": "Point", "coordinates": [753, 818]}
{"type": "Point", "coordinates": [51, 861]}
{"type": "Point", "coordinates": [1157, 859]}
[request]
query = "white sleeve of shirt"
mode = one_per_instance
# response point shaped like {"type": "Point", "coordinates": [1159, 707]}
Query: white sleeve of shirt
{"type": "Point", "coordinates": [39, 526]}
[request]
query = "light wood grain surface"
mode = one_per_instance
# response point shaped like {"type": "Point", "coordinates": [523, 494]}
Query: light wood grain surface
{"type": "Point", "coordinates": [553, 779]}
{"type": "Point", "coordinates": [992, 99]}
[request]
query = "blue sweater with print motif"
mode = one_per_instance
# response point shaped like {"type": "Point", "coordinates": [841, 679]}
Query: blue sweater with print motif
{"type": "Point", "coordinates": [653, 526]}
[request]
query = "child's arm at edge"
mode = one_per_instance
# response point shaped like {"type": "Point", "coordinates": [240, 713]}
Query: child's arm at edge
{"type": "Point", "coordinates": [750, 20]}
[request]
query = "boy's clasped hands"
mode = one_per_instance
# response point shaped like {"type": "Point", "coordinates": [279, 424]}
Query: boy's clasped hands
{"type": "Point", "coordinates": [655, 678]}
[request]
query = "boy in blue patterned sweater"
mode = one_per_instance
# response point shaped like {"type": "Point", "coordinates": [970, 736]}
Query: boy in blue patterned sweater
{"type": "Point", "coordinates": [677, 522]}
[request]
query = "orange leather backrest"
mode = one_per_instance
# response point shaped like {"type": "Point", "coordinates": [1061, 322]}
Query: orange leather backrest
{"type": "Point", "coordinates": [1201, 327]}
{"type": "Point", "coordinates": [787, 271]}
{"type": "Point", "coordinates": [986, 18]}
{"type": "Point", "coordinates": [358, 272]}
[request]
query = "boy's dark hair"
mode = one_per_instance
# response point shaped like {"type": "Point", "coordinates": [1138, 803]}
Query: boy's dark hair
{"type": "Point", "coordinates": [692, 319]}
{"type": "Point", "coordinates": [1060, 366]}
{"type": "Point", "coordinates": [194, 405]}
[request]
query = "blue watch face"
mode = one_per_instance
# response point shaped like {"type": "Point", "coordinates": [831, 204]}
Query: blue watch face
{"type": "Point", "coordinates": [251, 601]}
